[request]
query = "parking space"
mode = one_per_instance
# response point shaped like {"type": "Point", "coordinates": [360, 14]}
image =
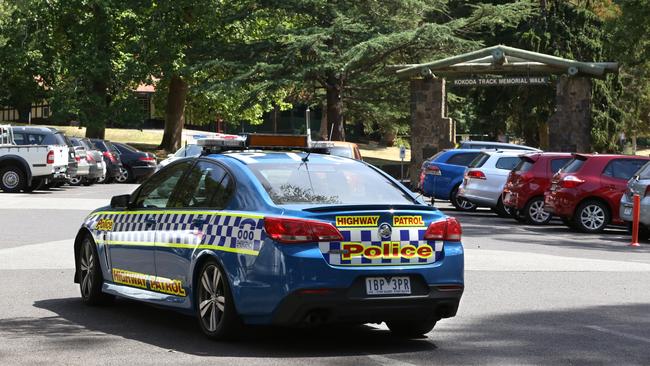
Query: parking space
{"type": "Point", "coordinates": [534, 295]}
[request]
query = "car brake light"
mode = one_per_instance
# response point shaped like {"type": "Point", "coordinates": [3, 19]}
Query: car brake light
{"type": "Point", "coordinates": [432, 170]}
{"type": "Point", "coordinates": [291, 231]}
{"type": "Point", "coordinates": [90, 158]}
{"type": "Point", "coordinates": [446, 230]}
{"type": "Point", "coordinates": [50, 157]}
{"type": "Point", "coordinates": [110, 156]}
{"type": "Point", "coordinates": [77, 158]}
{"type": "Point", "coordinates": [146, 158]}
{"type": "Point", "coordinates": [571, 181]}
{"type": "Point", "coordinates": [476, 174]}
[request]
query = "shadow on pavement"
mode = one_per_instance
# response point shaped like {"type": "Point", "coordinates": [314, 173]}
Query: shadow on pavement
{"type": "Point", "coordinates": [170, 330]}
{"type": "Point", "coordinates": [617, 334]}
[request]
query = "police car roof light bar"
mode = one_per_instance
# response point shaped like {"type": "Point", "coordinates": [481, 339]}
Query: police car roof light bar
{"type": "Point", "coordinates": [260, 142]}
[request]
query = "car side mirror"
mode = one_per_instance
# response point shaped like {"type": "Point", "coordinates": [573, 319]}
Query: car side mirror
{"type": "Point", "coordinates": [121, 201]}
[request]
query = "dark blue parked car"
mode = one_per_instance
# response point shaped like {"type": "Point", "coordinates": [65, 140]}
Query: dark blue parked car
{"type": "Point", "coordinates": [443, 173]}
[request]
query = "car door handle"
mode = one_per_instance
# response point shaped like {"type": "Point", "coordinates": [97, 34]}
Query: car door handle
{"type": "Point", "coordinates": [199, 221]}
{"type": "Point", "coordinates": [150, 221]}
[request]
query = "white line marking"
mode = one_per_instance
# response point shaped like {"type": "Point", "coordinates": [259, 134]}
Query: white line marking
{"type": "Point", "coordinates": [620, 334]}
{"type": "Point", "coordinates": [388, 361]}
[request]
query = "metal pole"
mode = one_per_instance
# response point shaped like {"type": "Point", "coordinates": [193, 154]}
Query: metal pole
{"type": "Point", "coordinates": [636, 213]}
{"type": "Point", "coordinates": [307, 115]}
{"type": "Point", "coordinates": [29, 116]}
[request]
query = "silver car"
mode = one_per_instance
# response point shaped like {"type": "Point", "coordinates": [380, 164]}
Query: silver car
{"type": "Point", "coordinates": [486, 177]}
{"type": "Point", "coordinates": [638, 184]}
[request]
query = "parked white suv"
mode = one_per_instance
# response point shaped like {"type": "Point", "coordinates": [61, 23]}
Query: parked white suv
{"type": "Point", "coordinates": [486, 177]}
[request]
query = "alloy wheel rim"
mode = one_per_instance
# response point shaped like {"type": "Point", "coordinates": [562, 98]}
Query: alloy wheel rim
{"type": "Point", "coordinates": [75, 180]}
{"type": "Point", "coordinates": [464, 204]}
{"type": "Point", "coordinates": [212, 301]}
{"type": "Point", "coordinates": [592, 217]}
{"type": "Point", "coordinates": [10, 179]}
{"type": "Point", "coordinates": [123, 175]}
{"type": "Point", "coordinates": [537, 212]}
{"type": "Point", "coordinates": [87, 266]}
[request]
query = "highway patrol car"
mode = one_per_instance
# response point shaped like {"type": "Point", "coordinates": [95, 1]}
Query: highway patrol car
{"type": "Point", "coordinates": [255, 233]}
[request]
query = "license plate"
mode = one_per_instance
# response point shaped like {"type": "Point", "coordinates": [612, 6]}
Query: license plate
{"type": "Point", "coordinates": [388, 286]}
{"type": "Point", "coordinates": [627, 211]}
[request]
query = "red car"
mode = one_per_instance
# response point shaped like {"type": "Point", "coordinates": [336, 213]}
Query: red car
{"type": "Point", "coordinates": [587, 191]}
{"type": "Point", "coordinates": [524, 190]}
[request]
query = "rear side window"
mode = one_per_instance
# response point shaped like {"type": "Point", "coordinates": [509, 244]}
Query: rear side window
{"type": "Point", "coordinates": [507, 163]}
{"type": "Point", "coordinates": [557, 164]}
{"type": "Point", "coordinates": [524, 166]}
{"type": "Point", "coordinates": [462, 159]}
{"type": "Point", "coordinates": [19, 138]}
{"type": "Point", "coordinates": [479, 160]}
{"type": "Point", "coordinates": [623, 168]}
{"type": "Point", "coordinates": [573, 166]}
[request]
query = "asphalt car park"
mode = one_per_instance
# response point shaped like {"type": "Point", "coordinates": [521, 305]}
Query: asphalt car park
{"type": "Point", "coordinates": [533, 295]}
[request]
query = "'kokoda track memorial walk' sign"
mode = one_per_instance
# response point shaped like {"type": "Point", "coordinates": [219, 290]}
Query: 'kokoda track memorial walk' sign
{"type": "Point", "coordinates": [502, 81]}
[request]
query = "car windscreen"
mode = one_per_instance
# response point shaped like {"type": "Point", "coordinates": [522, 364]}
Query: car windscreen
{"type": "Point", "coordinates": [325, 183]}
{"type": "Point", "coordinates": [189, 150]}
{"type": "Point", "coordinates": [573, 166]}
{"type": "Point", "coordinates": [343, 151]}
{"type": "Point", "coordinates": [479, 160]}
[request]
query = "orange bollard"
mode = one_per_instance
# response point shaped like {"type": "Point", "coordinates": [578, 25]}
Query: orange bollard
{"type": "Point", "coordinates": [636, 214]}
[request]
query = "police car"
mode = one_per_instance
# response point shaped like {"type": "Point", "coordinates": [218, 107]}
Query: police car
{"type": "Point", "coordinates": [265, 230]}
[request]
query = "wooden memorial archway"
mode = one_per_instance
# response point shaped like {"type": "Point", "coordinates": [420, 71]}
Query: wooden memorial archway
{"type": "Point", "coordinates": [569, 126]}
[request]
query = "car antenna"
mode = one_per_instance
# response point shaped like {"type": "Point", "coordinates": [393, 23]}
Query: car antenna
{"type": "Point", "coordinates": [306, 158]}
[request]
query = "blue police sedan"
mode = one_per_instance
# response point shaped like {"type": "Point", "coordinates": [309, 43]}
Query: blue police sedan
{"type": "Point", "coordinates": [269, 237]}
{"type": "Point", "coordinates": [442, 174]}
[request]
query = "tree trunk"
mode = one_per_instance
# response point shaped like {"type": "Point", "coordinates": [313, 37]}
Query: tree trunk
{"type": "Point", "coordinates": [174, 114]}
{"type": "Point", "coordinates": [324, 131]}
{"type": "Point", "coordinates": [274, 118]}
{"type": "Point", "coordinates": [23, 112]}
{"type": "Point", "coordinates": [335, 108]}
{"type": "Point", "coordinates": [98, 108]}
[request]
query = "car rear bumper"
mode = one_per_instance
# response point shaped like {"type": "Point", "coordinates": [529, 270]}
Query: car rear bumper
{"type": "Point", "coordinates": [343, 306]}
{"type": "Point", "coordinates": [141, 172]}
{"type": "Point", "coordinates": [626, 210]}
{"type": "Point", "coordinates": [560, 203]}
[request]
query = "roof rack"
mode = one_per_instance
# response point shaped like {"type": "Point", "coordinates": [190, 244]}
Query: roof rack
{"type": "Point", "coordinates": [274, 142]}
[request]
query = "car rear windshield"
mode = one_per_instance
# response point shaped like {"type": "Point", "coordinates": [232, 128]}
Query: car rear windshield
{"type": "Point", "coordinates": [343, 151]}
{"type": "Point", "coordinates": [644, 172]}
{"type": "Point", "coordinates": [324, 183]}
{"type": "Point", "coordinates": [573, 166]}
{"type": "Point", "coordinates": [479, 160]}
{"type": "Point", "coordinates": [524, 166]}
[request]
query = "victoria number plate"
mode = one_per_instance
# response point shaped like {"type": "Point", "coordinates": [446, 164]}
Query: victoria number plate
{"type": "Point", "coordinates": [388, 286]}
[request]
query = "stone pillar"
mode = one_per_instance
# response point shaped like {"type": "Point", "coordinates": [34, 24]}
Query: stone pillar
{"type": "Point", "coordinates": [569, 128]}
{"type": "Point", "coordinates": [431, 129]}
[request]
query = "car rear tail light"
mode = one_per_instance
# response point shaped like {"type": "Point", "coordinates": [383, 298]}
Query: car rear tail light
{"type": "Point", "coordinates": [476, 174]}
{"type": "Point", "coordinates": [571, 181]}
{"type": "Point", "coordinates": [110, 156]}
{"type": "Point", "coordinates": [77, 158]}
{"type": "Point", "coordinates": [446, 230]}
{"type": "Point", "coordinates": [290, 231]}
{"type": "Point", "coordinates": [90, 158]}
{"type": "Point", "coordinates": [432, 170]}
{"type": "Point", "coordinates": [647, 191]}
{"type": "Point", "coordinates": [50, 157]}
{"type": "Point", "coordinates": [146, 158]}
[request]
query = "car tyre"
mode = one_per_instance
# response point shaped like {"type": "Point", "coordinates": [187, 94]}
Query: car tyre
{"type": "Point", "coordinates": [460, 203]}
{"type": "Point", "coordinates": [591, 217]}
{"type": "Point", "coordinates": [214, 305]}
{"type": "Point", "coordinates": [12, 179]}
{"type": "Point", "coordinates": [124, 176]}
{"type": "Point", "coordinates": [75, 181]}
{"type": "Point", "coordinates": [37, 183]}
{"type": "Point", "coordinates": [518, 216]}
{"type": "Point", "coordinates": [502, 210]}
{"type": "Point", "coordinates": [90, 275]}
{"type": "Point", "coordinates": [534, 212]}
{"type": "Point", "coordinates": [411, 328]}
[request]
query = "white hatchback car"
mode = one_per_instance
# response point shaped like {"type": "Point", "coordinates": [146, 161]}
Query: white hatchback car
{"type": "Point", "coordinates": [485, 178]}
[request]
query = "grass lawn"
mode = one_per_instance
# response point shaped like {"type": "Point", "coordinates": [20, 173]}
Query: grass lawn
{"type": "Point", "coordinates": [147, 137]}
